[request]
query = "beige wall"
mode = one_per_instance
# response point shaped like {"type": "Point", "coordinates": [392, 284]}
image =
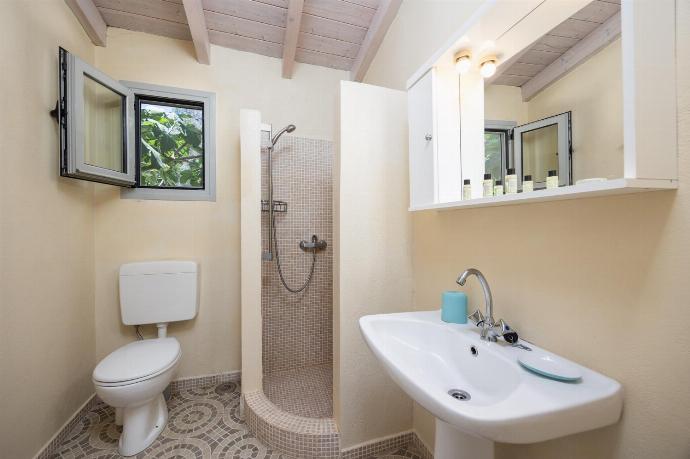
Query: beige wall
{"type": "Point", "coordinates": [250, 249]}
{"type": "Point", "coordinates": [47, 339]}
{"type": "Point", "coordinates": [504, 103]}
{"type": "Point", "coordinates": [129, 230]}
{"type": "Point", "coordinates": [612, 290]}
{"type": "Point", "coordinates": [372, 259]}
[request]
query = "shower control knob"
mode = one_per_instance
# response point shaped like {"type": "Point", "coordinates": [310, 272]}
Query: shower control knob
{"type": "Point", "coordinates": [427, 137]}
{"type": "Point", "coordinates": [315, 244]}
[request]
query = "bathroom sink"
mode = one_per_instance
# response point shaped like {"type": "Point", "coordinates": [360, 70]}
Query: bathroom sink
{"type": "Point", "coordinates": [495, 399]}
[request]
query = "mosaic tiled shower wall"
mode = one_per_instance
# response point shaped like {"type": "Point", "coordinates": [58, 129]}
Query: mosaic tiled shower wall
{"type": "Point", "coordinates": [297, 328]}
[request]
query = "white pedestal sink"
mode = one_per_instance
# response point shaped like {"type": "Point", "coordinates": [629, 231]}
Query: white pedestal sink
{"type": "Point", "coordinates": [499, 401]}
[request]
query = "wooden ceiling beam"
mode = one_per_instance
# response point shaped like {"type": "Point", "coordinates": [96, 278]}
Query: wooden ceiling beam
{"type": "Point", "coordinates": [292, 28]}
{"type": "Point", "coordinates": [580, 52]}
{"type": "Point", "coordinates": [504, 66]}
{"type": "Point", "coordinates": [197, 27]}
{"type": "Point", "coordinates": [377, 30]}
{"type": "Point", "coordinates": [90, 19]}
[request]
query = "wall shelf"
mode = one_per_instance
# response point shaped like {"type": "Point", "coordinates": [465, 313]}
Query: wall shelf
{"type": "Point", "coordinates": [584, 190]}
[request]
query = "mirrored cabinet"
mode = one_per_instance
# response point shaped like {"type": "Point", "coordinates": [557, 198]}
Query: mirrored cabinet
{"type": "Point", "coordinates": [542, 101]}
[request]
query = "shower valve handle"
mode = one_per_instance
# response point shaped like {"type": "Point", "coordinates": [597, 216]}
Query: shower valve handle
{"type": "Point", "coordinates": [315, 244]}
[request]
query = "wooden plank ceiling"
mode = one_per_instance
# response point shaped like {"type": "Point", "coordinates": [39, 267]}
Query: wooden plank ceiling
{"type": "Point", "coordinates": [332, 33]}
{"type": "Point", "coordinates": [548, 49]}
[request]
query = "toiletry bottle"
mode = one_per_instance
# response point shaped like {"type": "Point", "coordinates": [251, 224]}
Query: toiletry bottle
{"type": "Point", "coordinates": [552, 179]}
{"type": "Point", "coordinates": [488, 185]}
{"type": "Point", "coordinates": [511, 181]}
{"type": "Point", "coordinates": [527, 184]}
{"type": "Point", "coordinates": [498, 189]}
{"type": "Point", "coordinates": [466, 189]}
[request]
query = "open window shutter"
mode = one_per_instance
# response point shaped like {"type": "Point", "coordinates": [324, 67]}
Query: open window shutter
{"type": "Point", "coordinates": [96, 117]}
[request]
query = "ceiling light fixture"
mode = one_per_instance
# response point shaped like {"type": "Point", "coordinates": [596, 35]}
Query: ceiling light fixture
{"type": "Point", "coordinates": [488, 67]}
{"type": "Point", "coordinates": [463, 61]}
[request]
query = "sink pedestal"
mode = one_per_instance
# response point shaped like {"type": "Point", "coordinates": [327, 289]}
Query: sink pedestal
{"type": "Point", "coordinates": [452, 443]}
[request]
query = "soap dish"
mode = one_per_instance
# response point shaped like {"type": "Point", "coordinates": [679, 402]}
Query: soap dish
{"type": "Point", "coordinates": [550, 367]}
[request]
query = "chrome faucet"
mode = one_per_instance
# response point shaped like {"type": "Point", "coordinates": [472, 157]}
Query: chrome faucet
{"type": "Point", "coordinates": [490, 329]}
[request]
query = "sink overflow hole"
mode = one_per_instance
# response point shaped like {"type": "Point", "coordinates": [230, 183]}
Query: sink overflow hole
{"type": "Point", "coordinates": [458, 394]}
{"type": "Point", "coordinates": [474, 351]}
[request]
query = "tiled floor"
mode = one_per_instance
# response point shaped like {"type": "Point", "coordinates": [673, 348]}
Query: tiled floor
{"type": "Point", "coordinates": [203, 423]}
{"type": "Point", "coordinates": [304, 392]}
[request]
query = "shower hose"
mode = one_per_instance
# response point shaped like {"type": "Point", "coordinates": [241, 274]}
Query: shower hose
{"type": "Point", "coordinates": [280, 269]}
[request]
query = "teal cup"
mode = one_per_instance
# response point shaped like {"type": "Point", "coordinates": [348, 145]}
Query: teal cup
{"type": "Point", "coordinates": [454, 307]}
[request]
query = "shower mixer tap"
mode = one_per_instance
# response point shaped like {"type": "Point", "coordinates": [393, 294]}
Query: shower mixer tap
{"type": "Point", "coordinates": [315, 244]}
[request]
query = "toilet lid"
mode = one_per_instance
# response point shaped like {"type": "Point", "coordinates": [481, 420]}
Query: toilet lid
{"type": "Point", "coordinates": [137, 360]}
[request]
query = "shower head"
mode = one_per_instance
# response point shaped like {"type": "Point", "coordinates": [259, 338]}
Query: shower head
{"type": "Point", "coordinates": [288, 128]}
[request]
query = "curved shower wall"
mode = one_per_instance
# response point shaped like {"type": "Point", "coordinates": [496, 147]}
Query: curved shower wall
{"type": "Point", "coordinates": [297, 331]}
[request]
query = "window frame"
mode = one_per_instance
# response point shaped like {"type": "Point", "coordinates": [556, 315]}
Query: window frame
{"type": "Point", "coordinates": [72, 73]}
{"type": "Point", "coordinates": [142, 99]}
{"type": "Point", "coordinates": [565, 151]}
{"type": "Point", "coordinates": [176, 95]}
{"type": "Point", "coordinates": [503, 136]}
{"type": "Point", "coordinates": [506, 128]}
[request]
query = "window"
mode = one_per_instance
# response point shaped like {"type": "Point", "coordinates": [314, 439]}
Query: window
{"type": "Point", "coordinates": [531, 149]}
{"type": "Point", "coordinates": [157, 141]}
{"type": "Point", "coordinates": [497, 148]}
{"type": "Point", "coordinates": [95, 138]}
{"type": "Point", "coordinates": [494, 153]}
{"type": "Point", "coordinates": [174, 143]}
{"type": "Point", "coordinates": [542, 146]}
{"type": "Point", "coordinates": [170, 152]}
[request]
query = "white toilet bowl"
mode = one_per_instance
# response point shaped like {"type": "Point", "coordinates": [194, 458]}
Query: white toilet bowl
{"type": "Point", "coordinates": [132, 379]}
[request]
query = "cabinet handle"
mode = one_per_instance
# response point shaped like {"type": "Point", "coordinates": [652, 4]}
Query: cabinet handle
{"type": "Point", "coordinates": [427, 137]}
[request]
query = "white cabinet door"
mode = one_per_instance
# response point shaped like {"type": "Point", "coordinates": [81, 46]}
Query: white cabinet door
{"type": "Point", "coordinates": [420, 109]}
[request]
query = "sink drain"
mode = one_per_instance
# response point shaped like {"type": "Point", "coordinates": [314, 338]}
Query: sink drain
{"type": "Point", "coordinates": [458, 394]}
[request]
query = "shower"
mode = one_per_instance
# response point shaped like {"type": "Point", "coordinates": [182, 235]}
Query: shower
{"type": "Point", "coordinates": [296, 183]}
{"type": "Point", "coordinates": [313, 245]}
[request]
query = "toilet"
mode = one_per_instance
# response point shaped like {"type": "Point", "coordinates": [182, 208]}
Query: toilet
{"type": "Point", "coordinates": [132, 378]}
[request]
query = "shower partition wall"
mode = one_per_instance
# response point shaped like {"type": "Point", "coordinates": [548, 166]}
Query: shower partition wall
{"type": "Point", "coordinates": [297, 332]}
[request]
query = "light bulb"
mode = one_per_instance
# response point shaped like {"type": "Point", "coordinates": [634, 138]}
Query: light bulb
{"type": "Point", "coordinates": [488, 68]}
{"type": "Point", "coordinates": [462, 64]}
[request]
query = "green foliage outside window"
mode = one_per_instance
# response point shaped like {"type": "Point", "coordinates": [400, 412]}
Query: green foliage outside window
{"type": "Point", "coordinates": [172, 146]}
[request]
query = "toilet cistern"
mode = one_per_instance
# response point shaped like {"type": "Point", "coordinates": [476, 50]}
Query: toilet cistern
{"type": "Point", "coordinates": [490, 329]}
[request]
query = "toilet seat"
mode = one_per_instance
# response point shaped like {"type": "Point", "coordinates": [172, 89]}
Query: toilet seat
{"type": "Point", "coordinates": [137, 361]}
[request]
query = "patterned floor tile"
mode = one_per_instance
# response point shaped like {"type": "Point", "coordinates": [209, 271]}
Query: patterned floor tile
{"type": "Point", "coordinates": [203, 423]}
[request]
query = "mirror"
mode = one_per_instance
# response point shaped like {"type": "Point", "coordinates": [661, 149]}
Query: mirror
{"type": "Point", "coordinates": [556, 107]}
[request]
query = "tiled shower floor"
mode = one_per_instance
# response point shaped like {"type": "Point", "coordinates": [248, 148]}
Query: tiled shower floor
{"type": "Point", "coordinates": [306, 392]}
{"type": "Point", "coordinates": [204, 423]}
